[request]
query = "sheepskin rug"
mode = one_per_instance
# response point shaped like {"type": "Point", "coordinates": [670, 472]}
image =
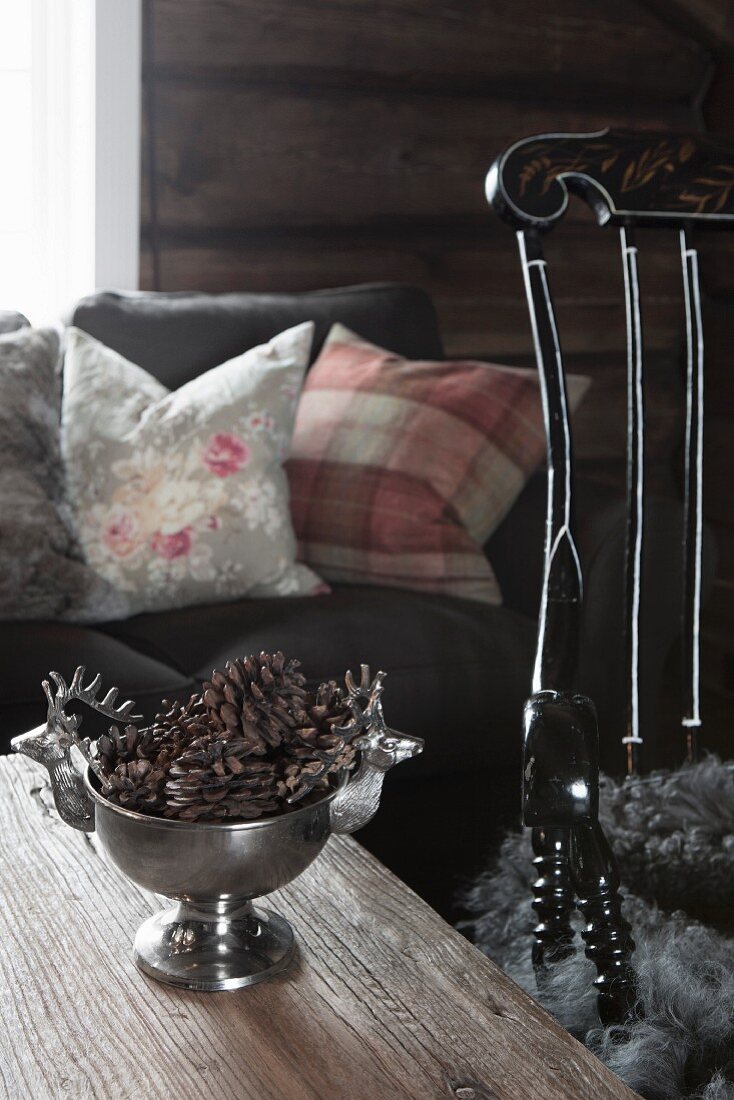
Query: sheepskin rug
{"type": "Point", "coordinates": [674, 837]}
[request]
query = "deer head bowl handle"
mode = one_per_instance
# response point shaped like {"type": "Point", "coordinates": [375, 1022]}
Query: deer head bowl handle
{"type": "Point", "coordinates": [51, 744]}
{"type": "Point", "coordinates": [356, 801]}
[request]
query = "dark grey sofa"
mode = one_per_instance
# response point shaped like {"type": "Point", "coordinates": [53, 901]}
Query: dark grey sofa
{"type": "Point", "coordinates": [458, 671]}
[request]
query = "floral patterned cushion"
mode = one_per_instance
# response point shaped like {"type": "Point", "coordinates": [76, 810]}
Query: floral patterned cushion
{"type": "Point", "coordinates": [179, 497]}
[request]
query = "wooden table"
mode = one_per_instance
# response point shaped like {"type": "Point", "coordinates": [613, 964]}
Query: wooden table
{"type": "Point", "coordinates": [384, 1001]}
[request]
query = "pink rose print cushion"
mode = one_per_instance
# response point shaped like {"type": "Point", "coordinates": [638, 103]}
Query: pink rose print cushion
{"type": "Point", "coordinates": [225, 454]}
{"type": "Point", "coordinates": [180, 497]}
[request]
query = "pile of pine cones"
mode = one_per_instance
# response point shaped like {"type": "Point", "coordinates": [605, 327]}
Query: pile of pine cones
{"type": "Point", "coordinates": [253, 742]}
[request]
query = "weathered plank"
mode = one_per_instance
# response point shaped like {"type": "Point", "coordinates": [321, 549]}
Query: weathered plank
{"type": "Point", "coordinates": [584, 260]}
{"type": "Point", "coordinates": [612, 50]}
{"type": "Point", "coordinates": [472, 272]}
{"type": "Point", "coordinates": [475, 322]}
{"type": "Point", "coordinates": [385, 1000]}
{"type": "Point", "coordinates": [242, 157]}
{"type": "Point", "coordinates": [710, 22]}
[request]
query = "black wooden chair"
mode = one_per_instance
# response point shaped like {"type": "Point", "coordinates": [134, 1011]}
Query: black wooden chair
{"type": "Point", "coordinates": [632, 181]}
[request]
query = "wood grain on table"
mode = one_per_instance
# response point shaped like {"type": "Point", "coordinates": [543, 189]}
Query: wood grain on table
{"type": "Point", "coordinates": [384, 999]}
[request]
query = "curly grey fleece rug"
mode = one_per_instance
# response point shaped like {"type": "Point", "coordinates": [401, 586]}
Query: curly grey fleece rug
{"type": "Point", "coordinates": [674, 837]}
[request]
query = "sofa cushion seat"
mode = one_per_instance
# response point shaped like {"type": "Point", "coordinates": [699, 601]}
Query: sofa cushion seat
{"type": "Point", "coordinates": [448, 660]}
{"type": "Point", "coordinates": [29, 651]}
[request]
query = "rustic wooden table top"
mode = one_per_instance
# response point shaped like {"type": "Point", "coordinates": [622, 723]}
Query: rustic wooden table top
{"type": "Point", "coordinates": [385, 1000]}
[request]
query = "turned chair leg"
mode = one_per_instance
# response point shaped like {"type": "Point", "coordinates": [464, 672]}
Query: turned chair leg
{"type": "Point", "coordinates": [554, 898]}
{"type": "Point", "coordinates": [607, 934]}
{"type": "Point", "coordinates": [576, 866]}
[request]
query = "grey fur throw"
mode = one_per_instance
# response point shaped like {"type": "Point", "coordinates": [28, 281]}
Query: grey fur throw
{"type": "Point", "coordinates": [674, 836]}
{"type": "Point", "coordinates": [42, 575]}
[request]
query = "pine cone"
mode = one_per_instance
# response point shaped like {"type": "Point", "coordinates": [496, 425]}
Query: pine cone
{"type": "Point", "coordinates": [161, 742]}
{"type": "Point", "coordinates": [253, 742]}
{"type": "Point", "coordinates": [217, 778]}
{"type": "Point", "coordinates": [321, 743]}
{"type": "Point", "coordinates": [256, 699]}
{"type": "Point", "coordinates": [136, 762]}
{"type": "Point", "coordinates": [138, 785]}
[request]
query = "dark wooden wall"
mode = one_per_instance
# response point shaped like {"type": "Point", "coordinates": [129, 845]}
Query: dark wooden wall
{"type": "Point", "coordinates": [718, 260]}
{"type": "Point", "coordinates": [293, 144]}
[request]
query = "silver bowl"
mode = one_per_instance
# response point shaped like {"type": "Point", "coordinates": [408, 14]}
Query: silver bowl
{"type": "Point", "coordinates": [213, 938]}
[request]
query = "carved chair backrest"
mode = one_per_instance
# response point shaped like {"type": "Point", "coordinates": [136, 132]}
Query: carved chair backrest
{"type": "Point", "coordinates": [632, 181]}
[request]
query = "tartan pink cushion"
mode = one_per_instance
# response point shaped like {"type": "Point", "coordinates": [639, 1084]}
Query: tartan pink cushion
{"type": "Point", "coordinates": [400, 470]}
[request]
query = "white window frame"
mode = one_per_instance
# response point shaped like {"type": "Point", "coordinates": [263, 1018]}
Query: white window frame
{"type": "Point", "coordinates": [118, 83]}
{"type": "Point", "coordinates": [77, 157]}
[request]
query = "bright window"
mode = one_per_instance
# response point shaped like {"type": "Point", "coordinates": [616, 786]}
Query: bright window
{"type": "Point", "coordinates": [69, 120]}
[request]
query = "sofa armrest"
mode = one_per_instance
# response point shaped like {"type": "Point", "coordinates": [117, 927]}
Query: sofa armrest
{"type": "Point", "coordinates": [516, 553]}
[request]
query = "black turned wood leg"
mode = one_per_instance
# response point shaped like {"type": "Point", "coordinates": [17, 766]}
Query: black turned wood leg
{"type": "Point", "coordinates": [607, 934]}
{"type": "Point", "coordinates": [554, 898]}
{"type": "Point", "coordinates": [559, 774]}
{"type": "Point", "coordinates": [561, 805]}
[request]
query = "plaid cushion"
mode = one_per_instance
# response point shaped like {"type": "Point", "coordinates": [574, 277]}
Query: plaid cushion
{"type": "Point", "coordinates": [400, 470]}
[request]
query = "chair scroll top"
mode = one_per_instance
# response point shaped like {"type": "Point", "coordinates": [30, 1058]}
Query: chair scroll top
{"type": "Point", "coordinates": [645, 179]}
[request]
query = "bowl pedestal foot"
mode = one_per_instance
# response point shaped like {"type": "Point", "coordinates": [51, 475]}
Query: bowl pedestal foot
{"type": "Point", "coordinates": [224, 945]}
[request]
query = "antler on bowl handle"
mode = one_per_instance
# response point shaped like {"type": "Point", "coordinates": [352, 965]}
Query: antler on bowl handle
{"type": "Point", "coordinates": [51, 744]}
{"type": "Point", "coordinates": [358, 800]}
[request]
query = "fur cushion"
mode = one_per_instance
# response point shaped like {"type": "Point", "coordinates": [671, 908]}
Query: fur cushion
{"type": "Point", "coordinates": [673, 837]}
{"type": "Point", "coordinates": [673, 834]}
{"type": "Point", "coordinates": [41, 573]}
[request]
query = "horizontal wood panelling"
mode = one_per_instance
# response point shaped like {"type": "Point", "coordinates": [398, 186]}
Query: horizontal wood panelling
{"type": "Point", "coordinates": [246, 158]}
{"type": "Point", "coordinates": [711, 22]}
{"type": "Point", "coordinates": [611, 50]}
{"type": "Point", "coordinates": [473, 275]}
{"type": "Point", "coordinates": [477, 326]}
{"type": "Point", "coordinates": [481, 325]}
{"type": "Point", "coordinates": [716, 251]}
{"type": "Point", "coordinates": [584, 262]}
{"type": "Point", "coordinates": [481, 314]}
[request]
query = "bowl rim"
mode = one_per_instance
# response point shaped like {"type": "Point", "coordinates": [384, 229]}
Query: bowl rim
{"type": "Point", "coordinates": [232, 826]}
